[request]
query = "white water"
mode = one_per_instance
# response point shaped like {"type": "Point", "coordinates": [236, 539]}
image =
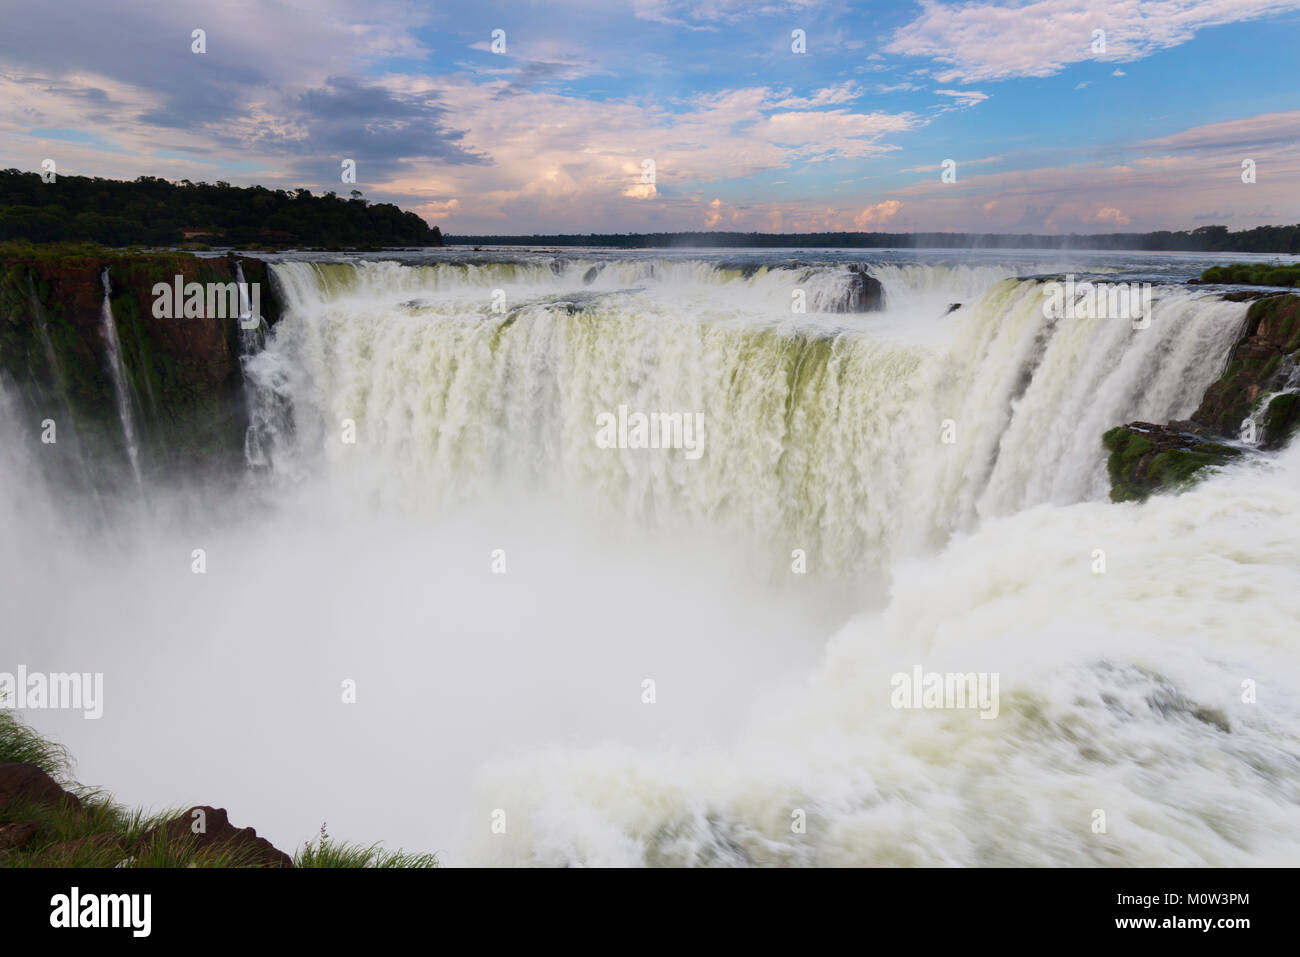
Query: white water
{"type": "Point", "coordinates": [1121, 693]}
{"type": "Point", "coordinates": [824, 432]}
{"type": "Point", "coordinates": [522, 692]}
{"type": "Point", "coordinates": [122, 388]}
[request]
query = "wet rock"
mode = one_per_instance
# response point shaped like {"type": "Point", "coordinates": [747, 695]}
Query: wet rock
{"type": "Point", "coordinates": [864, 294]}
{"type": "Point", "coordinates": [185, 372]}
{"type": "Point", "coordinates": [1271, 334]}
{"type": "Point", "coordinates": [1281, 420]}
{"type": "Point", "coordinates": [1147, 458]}
{"type": "Point", "coordinates": [590, 275]}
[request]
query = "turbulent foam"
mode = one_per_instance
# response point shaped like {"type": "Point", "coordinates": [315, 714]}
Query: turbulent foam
{"type": "Point", "coordinates": [1120, 692]}
{"type": "Point", "coordinates": [1122, 705]}
{"type": "Point", "coordinates": [822, 432]}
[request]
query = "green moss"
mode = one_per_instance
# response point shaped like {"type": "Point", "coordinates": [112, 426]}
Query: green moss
{"type": "Point", "coordinates": [1281, 420]}
{"type": "Point", "coordinates": [1126, 448]}
{"type": "Point", "coordinates": [1127, 492]}
{"type": "Point", "coordinates": [1178, 467]}
{"type": "Point", "coordinates": [1213, 448]}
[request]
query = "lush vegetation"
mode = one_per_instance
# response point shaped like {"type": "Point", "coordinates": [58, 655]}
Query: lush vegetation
{"type": "Point", "coordinates": [108, 835]}
{"type": "Point", "coordinates": [1139, 466]}
{"type": "Point", "coordinates": [1262, 239]}
{"type": "Point", "coordinates": [1249, 274]}
{"type": "Point", "coordinates": [155, 212]}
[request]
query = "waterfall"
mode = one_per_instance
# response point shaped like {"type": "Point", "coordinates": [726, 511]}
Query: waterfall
{"type": "Point", "coordinates": [123, 390]}
{"type": "Point", "coordinates": [943, 471]}
{"type": "Point", "coordinates": [824, 432]}
{"type": "Point", "coordinates": [252, 339]}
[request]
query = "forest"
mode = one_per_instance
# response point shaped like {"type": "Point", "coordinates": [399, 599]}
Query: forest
{"type": "Point", "coordinates": [150, 211]}
{"type": "Point", "coordinates": [1261, 239]}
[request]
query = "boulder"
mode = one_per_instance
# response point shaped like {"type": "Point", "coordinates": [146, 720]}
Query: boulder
{"type": "Point", "coordinates": [15, 836]}
{"type": "Point", "coordinates": [28, 784]}
{"type": "Point", "coordinates": [864, 294]}
{"type": "Point", "coordinates": [1147, 458]}
{"type": "Point", "coordinates": [218, 834]}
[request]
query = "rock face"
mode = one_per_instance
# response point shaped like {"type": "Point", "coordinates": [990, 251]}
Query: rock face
{"type": "Point", "coordinates": [1270, 342]}
{"type": "Point", "coordinates": [1146, 458]}
{"type": "Point", "coordinates": [218, 834]}
{"type": "Point", "coordinates": [184, 373]}
{"type": "Point", "coordinates": [1281, 420]}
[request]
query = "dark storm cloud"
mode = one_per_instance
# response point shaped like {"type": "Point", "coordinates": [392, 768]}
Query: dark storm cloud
{"type": "Point", "coordinates": [380, 129]}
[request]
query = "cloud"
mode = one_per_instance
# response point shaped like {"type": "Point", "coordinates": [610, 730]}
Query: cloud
{"type": "Point", "coordinates": [878, 214]}
{"type": "Point", "coordinates": [979, 41]}
{"type": "Point", "coordinates": [714, 214]}
{"type": "Point", "coordinates": [708, 14]}
{"type": "Point", "coordinates": [960, 163]}
{"type": "Point", "coordinates": [845, 92]}
{"type": "Point", "coordinates": [964, 98]}
{"type": "Point", "coordinates": [1233, 138]}
{"type": "Point", "coordinates": [1162, 184]}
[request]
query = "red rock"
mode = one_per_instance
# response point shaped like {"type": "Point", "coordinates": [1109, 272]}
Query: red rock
{"type": "Point", "coordinates": [15, 836]}
{"type": "Point", "coordinates": [219, 834]}
{"type": "Point", "coordinates": [26, 783]}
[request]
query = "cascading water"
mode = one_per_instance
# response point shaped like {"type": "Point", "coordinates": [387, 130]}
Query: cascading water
{"type": "Point", "coordinates": [123, 391]}
{"type": "Point", "coordinates": [252, 338]}
{"type": "Point", "coordinates": [500, 586]}
{"type": "Point", "coordinates": [824, 432]}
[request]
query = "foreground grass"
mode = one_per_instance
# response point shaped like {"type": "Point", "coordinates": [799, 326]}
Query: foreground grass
{"type": "Point", "coordinates": [109, 835]}
{"type": "Point", "coordinates": [325, 852]}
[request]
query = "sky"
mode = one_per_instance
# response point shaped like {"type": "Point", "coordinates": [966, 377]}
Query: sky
{"type": "Point", "coordinates": [1049, 127]}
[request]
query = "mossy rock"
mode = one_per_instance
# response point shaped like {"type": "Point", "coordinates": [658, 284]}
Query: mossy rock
{"type": "Point", "coordinates": [1179, 467]}
{"type": "Point", "coordinates": [1281, 420]}
{"type": "Point", "coordinates": [1146, 458]}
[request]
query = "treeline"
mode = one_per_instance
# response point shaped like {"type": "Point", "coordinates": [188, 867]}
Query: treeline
{"type": "Point", "coordinates": [1261, 239]}
{"type": "Point", "coordinates": [150, 211]}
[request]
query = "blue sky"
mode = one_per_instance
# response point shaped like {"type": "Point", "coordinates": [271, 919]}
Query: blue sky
{"type": "Point", "coordinates": [1048, 132]}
